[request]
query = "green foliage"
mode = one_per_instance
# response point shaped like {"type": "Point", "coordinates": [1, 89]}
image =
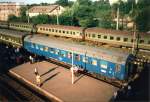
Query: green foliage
{"type": "Point", "coordinates": [62, 2]}
{"type": "Point", "coordinates": [13, 18]}
{"type": "Point", "coordinates": [40, 19]}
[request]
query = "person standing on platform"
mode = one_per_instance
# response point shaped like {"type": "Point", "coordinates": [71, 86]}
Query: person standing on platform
{"type": "Point", "coordinates": [38, 80]}
{"type": "Point", "coordinates": [31, 59]}
{"type": "Point", "coordinates": [36, 71]}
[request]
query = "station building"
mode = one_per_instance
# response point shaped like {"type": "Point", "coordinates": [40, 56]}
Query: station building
{"type": "Point", "coordinates": [49, 10]}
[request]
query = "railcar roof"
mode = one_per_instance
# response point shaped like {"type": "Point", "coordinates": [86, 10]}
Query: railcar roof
{"type": "Point", "coordinates": [60, 27]}
{"type": "Point", "coordinates": [112, 31]}
{"type": "Point", "coordinates": [12, 33]}
{"type": "Point", "coordinates": [109, 55]}
{"type": "Point", "coordinates": [21, 23]}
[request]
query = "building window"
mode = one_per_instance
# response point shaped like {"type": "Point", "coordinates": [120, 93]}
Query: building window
{"type": "Point", "coordinates": [99, 36]}
{"type": "Point", "coordinates": [105, 37]}
{"type": "Point", "coordinates": [141, 41]}
{"type": "Point", "coordinates": [118, 39]}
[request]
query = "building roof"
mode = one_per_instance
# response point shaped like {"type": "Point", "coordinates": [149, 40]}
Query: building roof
{"type": "Point", "coordinates": [96, 52]}
{"type": "Point", "coordinates": [60, 27]}
{"type": "Point", "coordinates": [43, 9]}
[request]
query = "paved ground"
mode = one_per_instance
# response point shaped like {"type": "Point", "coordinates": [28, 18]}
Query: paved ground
{"type": "Point", "coordinates": [56, 83]}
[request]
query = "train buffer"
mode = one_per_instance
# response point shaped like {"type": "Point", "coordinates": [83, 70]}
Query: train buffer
{"type": "Point", "coordinates": [56, 83]}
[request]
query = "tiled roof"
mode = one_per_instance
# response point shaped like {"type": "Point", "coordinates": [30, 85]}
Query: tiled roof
{"type": "Point", "coordinates": [43, 9]}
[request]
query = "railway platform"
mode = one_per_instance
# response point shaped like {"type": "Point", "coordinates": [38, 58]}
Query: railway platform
{"type": "Point", "coordinates": [56, 83]}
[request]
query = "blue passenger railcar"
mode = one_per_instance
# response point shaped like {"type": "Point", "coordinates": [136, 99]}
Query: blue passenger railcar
{"type": "Point", "coordinates": [111, 64]}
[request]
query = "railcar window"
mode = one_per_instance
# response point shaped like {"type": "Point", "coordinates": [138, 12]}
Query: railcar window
{"type": "Point", "coordinates": [141, 41]}
{"type": "Point", "coordinates": [62, 53]}
{"type": "Point", "coordinates": [118, 38]}
{"type": "Point", "coordinates": [94, 62]}
{"type": "Point", "coordinates": [46, 49]}
{"type": "Point", "coordinates": [118, 68]}
{"type": "Point", "coordinates": [43, 28]}
{"type": "Point", "coordinates": [105, 37]}
{"type": "Point", "coordinates": [99, 36]}
{"type": "Point", "coordinates": [103, 64]}
{"type": "Point", "coordinates": [69, 55]}
{"type": "Point", "coordinates": [67, 32]}
{"type": "Point", "coordinates": [131, 40]}
{"type": "Point", "coordinates": [36, 46]}
{"type": "Point", "coordinates": [56, 31]}
{"type": "Point", "coordinates": [85, 59]}
{"type": "Point", "coordinates": [51, 50]}
{"type": "Point", "coordinates": [63, 31]}
{"type": "Point", "coordinates": [46, 29]}
{"type": "Point", "coordinates": [89, 35]}
{"type": "Point", "coordinates": [41, 48]}
{"type": "Point", "coordinates": [70, 32]}
{"type": "Point", "coordinates": [93, 35]}
{"type": "Point", "coordinates": [77, 57]}
{"type": "Point", "coordinates": [49, 30]}
{"type": "Point", "coordinates": [52, 30]}
{"type": "Point", "coordinates": [57, 52]}
{"type": "Point", "coordinates": [40, 28]}
{"type": "Point", "coordinates": [59, 31]}
{"type": "Point", "coordinates": [111, 38]}
{"type": "Point", "coordinates": [125, 39]}
{"type": "Point", "coordinates": [73, 33]}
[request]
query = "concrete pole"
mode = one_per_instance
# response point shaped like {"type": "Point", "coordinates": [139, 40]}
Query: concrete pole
{"type": "Point", "coordinates": [72, 73]}
{"type": "Point", "coordinates": [57, 16]}
{"type": "Point", "coordinates": [117, 25]}
{"type": "Point", "coordinates": [134, 38]}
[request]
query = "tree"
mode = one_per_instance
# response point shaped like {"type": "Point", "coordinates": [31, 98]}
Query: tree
{"type": "Point", "coordinates": [40, 19]}
{"type": "Point", "coordinates": [23, 16]}
{"type": "Point", "coordinates": [13, 18]}
{"type": "Point", "coordinates": [62, 2]}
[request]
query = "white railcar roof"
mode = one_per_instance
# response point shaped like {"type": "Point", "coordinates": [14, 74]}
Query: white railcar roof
{"type": "Point", "coordinates": [12, 33]}
{"type": "Point", "coordinates": [96, 52]}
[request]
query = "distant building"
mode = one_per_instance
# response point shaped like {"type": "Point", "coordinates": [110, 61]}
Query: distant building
{"type": "Point", "coordinates": [9, 8]}
{"type": "Point", "coordinates": [49, 10]}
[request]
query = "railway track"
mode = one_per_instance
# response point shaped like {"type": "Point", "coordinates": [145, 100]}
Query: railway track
{"type": "Point", "coordinates": [19, 91]}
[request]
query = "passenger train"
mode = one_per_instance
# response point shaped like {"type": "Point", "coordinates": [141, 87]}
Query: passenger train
{"type": "Point", "coordinates": [98, 35]}
{"type": "Point", "coordinates": [111, 65]}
